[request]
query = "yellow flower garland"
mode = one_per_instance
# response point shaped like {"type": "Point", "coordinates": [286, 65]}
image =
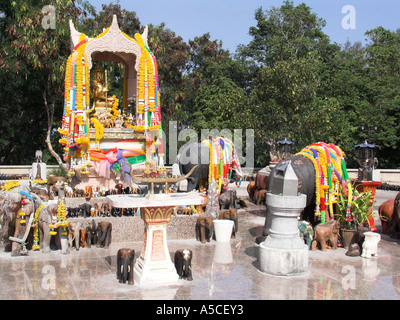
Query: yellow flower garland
{"type": "Point", "coordinates": [10, 184]}
{"type": "Point", "coordinates": [98, 128]}
{"type": "Point", "coordinates": [36, 245]}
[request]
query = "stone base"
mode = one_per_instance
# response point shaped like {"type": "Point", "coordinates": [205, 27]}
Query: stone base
{"type": "Point", "coordinates": [283, 262]}
{"type": "Point", "coordinates": [154, 273]}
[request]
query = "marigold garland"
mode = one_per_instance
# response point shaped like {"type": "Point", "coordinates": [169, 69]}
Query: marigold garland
{"type": "Point", "coordinates": [36, 245]}
{"type": "Point", "coordinates": [330, 175]}
{"type": "Point", "coordinates": [10, 184]}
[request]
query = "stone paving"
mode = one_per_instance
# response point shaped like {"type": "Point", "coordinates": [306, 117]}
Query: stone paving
{"type": "Point", "coordinates": [220, 272]}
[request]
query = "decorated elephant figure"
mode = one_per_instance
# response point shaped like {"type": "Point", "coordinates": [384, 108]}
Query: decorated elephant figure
{"type": "Point", "coordinates": [393, 227]}
{"type": "Point", "coordinates": [10, 205]}
{"type": "Point", "coordinates": [91, 234]}
{"type": "Point", "coordinates": [228, 199]}
{"type": "Point", "coordinates": [324, 233]}
{"type": "Point", "coordinates": [17, 209]}
{"type": "Point", "coordinates": [306, 232]}
{"type": "Point", "coordinates": [104, 230]}
{"type": "Point", "coordinates": [183, 263]}
{"type": "Point", "coordinates": [204, 228]}
{"type": "Point", "coordinates": [74, 234]}
{"type": "Point", "coordinates": [199, 154]}
{"type": "Point", "coordinates": [230, 214]}
{"type": "Point", "coordinates": [125, 261]}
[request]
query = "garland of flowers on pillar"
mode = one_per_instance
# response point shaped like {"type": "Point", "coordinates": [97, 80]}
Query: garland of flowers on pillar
{"type": "Point", "coordinates": [75, 123]}
{"type": "Point", "coordinates": [35, 225]}
{"type": "Point", "coordinates": [330, 176]}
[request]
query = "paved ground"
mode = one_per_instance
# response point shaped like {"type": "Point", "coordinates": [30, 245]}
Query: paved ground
{"type": "Point", "coordinates": [220, 272]}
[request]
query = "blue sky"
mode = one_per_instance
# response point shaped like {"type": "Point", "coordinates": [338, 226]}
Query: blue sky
{"type": "Point", "coordinates": [230, 20]}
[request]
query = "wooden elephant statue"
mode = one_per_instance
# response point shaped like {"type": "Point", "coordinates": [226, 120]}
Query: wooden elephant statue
{"type": "Point", "coordinates": [183, 263]}
{"type": "Point", "coordinates": [104, 229]}
{"type": "Point", "coordinates": [324, 233]}
{"type": "Point", "coordinates": [204, 228]}
{"type": "Point", "coordinates": [125, 261]}
{"type": "Point", "coordinates": [91, 234]}
{"type": "Point", "coordinates": [306, 232]}
{"type": "Point", "coordinates": [85, 210]}
{"type": "Point", "coordinates": [385, 211]}
{"type": "Point", "coordinates": [261, 195]}
{"type": "Point", "coordinates": [74, 234]}
{"type": "Point", "coordinates": [251, 188]}
{"type": "Point", "coordinates": [230, 214]}
{"type": "Point", "coordinates": [228, 199]}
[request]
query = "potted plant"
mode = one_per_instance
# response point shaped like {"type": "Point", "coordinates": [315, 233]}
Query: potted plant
{"type": "Point", "coordinates": [356, 218]}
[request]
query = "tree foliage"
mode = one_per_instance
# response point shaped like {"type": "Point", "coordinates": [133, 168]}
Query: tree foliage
{"type": "Point", "coordinates": [290, 81]}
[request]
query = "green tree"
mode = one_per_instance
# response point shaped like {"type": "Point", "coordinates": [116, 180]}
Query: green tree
{"type": "Point", "coordinates": [33, 56]}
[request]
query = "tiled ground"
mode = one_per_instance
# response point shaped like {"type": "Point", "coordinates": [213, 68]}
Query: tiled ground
{"type": "Point", "coordinates": [220, 271]}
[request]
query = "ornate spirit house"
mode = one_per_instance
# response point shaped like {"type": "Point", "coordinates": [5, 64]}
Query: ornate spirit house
{"type": "Point", "coordinates": [102, 133]}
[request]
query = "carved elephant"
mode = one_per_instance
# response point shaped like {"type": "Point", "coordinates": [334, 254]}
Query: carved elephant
{"type": "Point", "coordinates": [251, 188]}
{"type": "Point", "coordinates": [10, 205]}
{"type": "Point", "coordinates": [228, 199]}
{"type": "Point", "coordinates": [385, 212]}
{"type": "Point", "coordinates": [183, 263]}
{"type": "Point", "coordinates": [125, 261]}
{"type": "Point", "coordinates": [104, 230]}
{"type": "Point", "coordinates": [324, 233]}
{"type": "Point", "coordinates": [204, 228]}
{"type": "Point", "coordinates": [261, 182]}
{"type": "Point", "coordinates": [261, 195]}
{"type": "Point", "coordinates": [16, 211]}
{"type": "Point", "coordinates": [85, 210]}
{"type": "Point", "coordinates": [306, 232]}
{"type": "Point", "coordinates": [199, 154]}
{"type": "Point", "coordinates": [91, 234]}
{"type": "Point", "coordinates": [230, 214]}
{"type": "Point", "coordinates": [74, 234]}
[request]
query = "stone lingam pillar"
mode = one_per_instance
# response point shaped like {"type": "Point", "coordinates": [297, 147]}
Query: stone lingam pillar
{"type": "Point", "coordinates": [154, 266]}
{"type": "Point", "coordinates": [283, 253]}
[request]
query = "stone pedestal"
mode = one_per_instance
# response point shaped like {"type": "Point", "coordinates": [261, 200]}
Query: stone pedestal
{"type": "Point", "coordinates": [154, 266]}
{"type": "Point", "coordinates": [283, 253]}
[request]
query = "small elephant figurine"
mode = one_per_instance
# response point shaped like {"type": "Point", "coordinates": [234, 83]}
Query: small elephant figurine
{"type": "Point", "coordinates": [125, 261]}
{"type": "Point", "coordinates": [104, 229]}
{"type": "Point", "coordinates": [324, 232]}
{"type": "Point", "coordinates": [85, 210]}
{"type": "Point", "coordinates": [183, 263]}
{"type": "Point", "coordinates": [73, 234]}
{"type": "Point", "coordinates": [228, 199]}
{"type": "Point", "coordinates": [204, 228]}
{"type": "Point", "coordinates": [82, 238]}
{"type": "Point", "coordinates": [91, 234]}
{"type": "Point", "coordinates": [261, 195]}
{"type": "Point", "coordinates": [306, 232]}
{"type": "Point", "coordinates": [230, 214]}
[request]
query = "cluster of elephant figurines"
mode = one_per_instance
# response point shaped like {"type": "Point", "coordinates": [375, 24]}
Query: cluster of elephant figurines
{"type": "Point", "coordinates": [86, 210]}
{"type": "Point", "coordinates": [80, 237]}
{"type": "Point", "coordinates": [16, 230]}
{"type": "Point", "coordinates": [126, 260]}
